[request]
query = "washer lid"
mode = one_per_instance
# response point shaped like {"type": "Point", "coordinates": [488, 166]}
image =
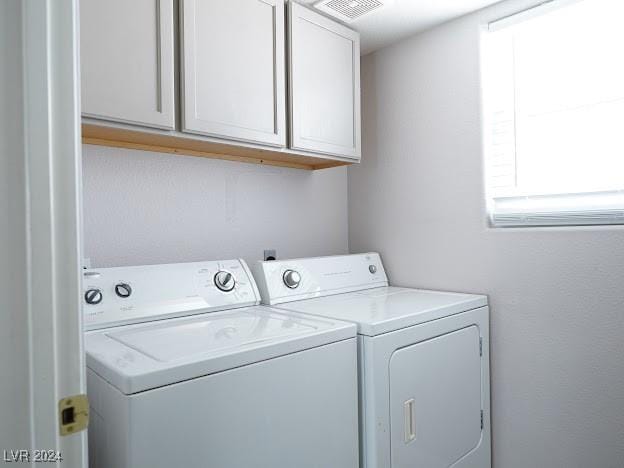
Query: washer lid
{"type": "Point", "coordinates": [385, 309]}
{"type": "Point", "coordinates": [140, 357]}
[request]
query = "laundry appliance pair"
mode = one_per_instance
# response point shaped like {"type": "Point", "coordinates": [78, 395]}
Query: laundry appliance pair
{"type": "Point", "coordinates": [337, 370]}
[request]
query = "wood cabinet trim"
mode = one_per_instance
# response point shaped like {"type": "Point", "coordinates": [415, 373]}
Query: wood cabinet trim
{"type": "Point", "coordinates": [180, 144]}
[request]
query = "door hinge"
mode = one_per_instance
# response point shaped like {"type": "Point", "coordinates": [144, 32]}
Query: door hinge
{"type": "Point", "coordinates": [480, 346]}
{"type": "Point", "coordinates": [481, 419]}
{"type": "Point", "coordinates": [73, 414]}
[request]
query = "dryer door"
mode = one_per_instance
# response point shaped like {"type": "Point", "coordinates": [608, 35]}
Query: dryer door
{"type": "Point", "coordinates": [435, 400]}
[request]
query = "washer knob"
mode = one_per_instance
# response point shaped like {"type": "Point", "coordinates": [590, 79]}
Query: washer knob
{"type": "Point", "coordinates": [93, 296]}
{"type": "Point", "coordinates": [123, 290]}
{"type": "Point", "coordinates": [292, 279]}
{"type": "Point", "coordinates": [225, 281]}
{"type": "Point", "coordinates": [372, 269]}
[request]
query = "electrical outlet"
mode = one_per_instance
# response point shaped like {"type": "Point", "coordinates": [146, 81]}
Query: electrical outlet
{"type": "Point", "coordinates": [270, 255]}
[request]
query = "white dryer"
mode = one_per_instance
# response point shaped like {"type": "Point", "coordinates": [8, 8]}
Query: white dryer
{"type": "Point", "coordinates": [186, 370]}
{"type": "Point", "coordinates": [423, 358]}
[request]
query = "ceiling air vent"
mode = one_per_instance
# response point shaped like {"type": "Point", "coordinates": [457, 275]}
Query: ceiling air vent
{"type": "Point", "coordinates": [347, 10]}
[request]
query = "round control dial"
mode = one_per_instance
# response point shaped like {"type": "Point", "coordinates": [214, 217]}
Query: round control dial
{"type": "Point", "coordinates": [225, 281]}
{"type": "Point", "coordinates": [93, 296]}
{"type": "Point", "coordinates": [123, 290]}
{"type": "Point", "coordinates": [292, 279]}
{"type": "Point", "coordinates": [372, 269]}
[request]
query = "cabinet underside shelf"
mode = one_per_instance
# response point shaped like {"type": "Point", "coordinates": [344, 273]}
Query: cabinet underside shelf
{"type": "Point", "coordinates": [179, 144]}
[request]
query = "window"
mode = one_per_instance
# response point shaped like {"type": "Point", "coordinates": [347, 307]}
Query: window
{"type": "Point", "coordinates": [553, 95]}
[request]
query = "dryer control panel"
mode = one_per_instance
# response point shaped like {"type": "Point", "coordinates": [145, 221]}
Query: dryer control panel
{"type": "Point", "coordinates": [305, 278]}
{"type": "Point", "coordinates": [124, 295]}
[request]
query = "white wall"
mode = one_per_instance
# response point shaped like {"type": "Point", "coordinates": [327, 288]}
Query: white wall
{"type": "Point", "coordinates": [557, 295]}
{"type": "Point", "coordinates": [144, 208]}
{"type": "Point", "coordinates": [14, 351]}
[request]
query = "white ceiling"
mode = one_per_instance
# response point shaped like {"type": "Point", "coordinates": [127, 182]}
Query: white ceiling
{"type": "Point", "coordinates": [402, 18]}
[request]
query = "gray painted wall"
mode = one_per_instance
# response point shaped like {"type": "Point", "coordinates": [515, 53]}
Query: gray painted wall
{"type": "Point", "coordinates": [145, 208]}
{"type": "Point", "coordinates": [557, 295]}
{"type": "Point", "coordinates": [14, 351]}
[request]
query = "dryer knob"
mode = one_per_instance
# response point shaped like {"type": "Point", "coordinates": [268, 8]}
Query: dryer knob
{"type": "Point", "coordinates": [225, 281]}
{"type": "Point", "coordinates": [93, 296]}
{"type": "Point", "coordinates": [292, 279]}
{"type": "Point", "coordinates": [123, 290]}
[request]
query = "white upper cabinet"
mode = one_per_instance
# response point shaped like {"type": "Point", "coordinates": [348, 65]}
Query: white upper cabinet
{"type": "Point", "coordinates": [127, 61]}
{"type": "Point", "coordinates": [216, 84]}
{"type": "Point", "coordinates": [324, 85]}
{"type": "Point", "coordinates": [233, 69]}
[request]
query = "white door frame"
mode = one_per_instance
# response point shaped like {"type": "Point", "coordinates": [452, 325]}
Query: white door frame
{"type": "Point", "coordinates": [51, 150]}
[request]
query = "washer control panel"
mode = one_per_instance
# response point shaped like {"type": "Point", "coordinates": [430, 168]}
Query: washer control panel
{"type": "Point", "coordinates": [124, 295]}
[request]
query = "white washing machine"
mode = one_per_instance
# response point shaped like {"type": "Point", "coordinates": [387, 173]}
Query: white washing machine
{"type": "Point", "coordinates": [423, 358]}
{"type": "Point", "coordinates": [186, 370]}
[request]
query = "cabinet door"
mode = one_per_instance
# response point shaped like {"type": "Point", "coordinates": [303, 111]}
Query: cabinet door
{"type": "Point", "coordinates": [233, 69]}
{"type": "Point", "coordinates": [127, 61]}
{"type": "Point", "coordinates": [436, 401]}
{"type": "Point", "coordinates": [324, 84]}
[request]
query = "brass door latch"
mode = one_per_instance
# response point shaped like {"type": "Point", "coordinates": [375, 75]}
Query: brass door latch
{"type": "Point", "coordinates": [73, 414]}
